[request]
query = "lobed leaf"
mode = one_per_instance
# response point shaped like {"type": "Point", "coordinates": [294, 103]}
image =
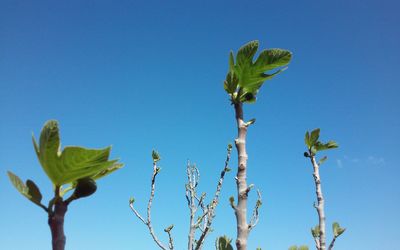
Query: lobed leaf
{"type": "Point", "coordinates": [251, 75]}
{"type": "Point", "coordinates": [314, 136]}
{"type": "Point", "coordinates": [73, 163]}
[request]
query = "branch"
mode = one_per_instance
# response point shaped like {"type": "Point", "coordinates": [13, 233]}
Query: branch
{"type": "Point", "coordinates": [210, 213]}
{"type": "Point", "coordinates": [320, 205]}
{"type": "Point", "coordinates": [171, 241]}
{"type": "Point", "coordinates": [193, 175]}
{"type": "Point", "coordinates": [147, 222]}
{"type": "Point", "coordinates": [316, 242]}
{"type": "Point", "coordinates": [332, 243]}
{"type": "Point", "coordinates": [255, 217]}
{"type": "Point", "coordinates": [241, 182]}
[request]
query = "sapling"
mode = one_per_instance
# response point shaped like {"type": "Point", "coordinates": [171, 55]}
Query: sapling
{"type": "Point", "coordinates": [318, 232]}
{"type": "Point", "coordinates": [243, 82]}
{"type": "Point", "coordinates": [73, 168]}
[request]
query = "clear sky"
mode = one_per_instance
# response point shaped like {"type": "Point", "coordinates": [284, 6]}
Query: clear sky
{"type": "Point", "coordinates": [148, 74]}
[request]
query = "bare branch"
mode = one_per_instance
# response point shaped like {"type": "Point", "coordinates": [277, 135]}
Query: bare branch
{"type": "Point", "coordinates": [171, 241]}
{"type": "Point", "coordinates": [137, 213]}
{"type": "Point", "coordinates": [147, 222]}
{"type": "Point", "coordinates": [332, 243]}
{"type": "Point", "coordinates": [193, 178]}
{"type": "Point", "coordinates": [210, 213]}
{"type": "Point", "coordinates": [255, 217]}
{"type": "Point", "coordinates": [316, 242]}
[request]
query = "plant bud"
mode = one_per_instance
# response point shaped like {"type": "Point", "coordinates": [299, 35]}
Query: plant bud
{"type": "Point", "coordinates": [85, 187]}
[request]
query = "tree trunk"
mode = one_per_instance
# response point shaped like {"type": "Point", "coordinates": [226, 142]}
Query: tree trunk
{"type": "Point", "coordinates": [56, 223]}
{"type": "Point", "coordinates": [241, 208]}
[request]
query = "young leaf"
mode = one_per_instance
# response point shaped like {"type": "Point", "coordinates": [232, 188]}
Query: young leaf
{"type": "Point", "coordinates": [330, 145]}
{"type": "Point", "coordinates": [337, 230]}
{"type": "Point", "coordinates": [315, 231]}
{"type": "Point", "coordinates": [72, 163]}
{"type": "Point", "coordinates": [307, 139]}
{"type": "Point", "coordinates": [155, 156]}
{"type": "Point", "coordinates": [30, 190]}
{"type": "Point", "coordinates": [246, 53]}
{"type": "Point", "coordinates": [231, 82]}
{"type": "Point", "coordinates": [322, 160]}
{"type": "Point", "coordinates": [314, 136]}
{"type": "Point", "coordinates": [224, 243]}
{"type": "Point", "coordinates": [303, 248]}
{"type": "Point", "coordinates": [34, 191]}
{"type": "Point", "coordinates": [272, 58]}
{"type": "Point", "coordinates": [252, 75]}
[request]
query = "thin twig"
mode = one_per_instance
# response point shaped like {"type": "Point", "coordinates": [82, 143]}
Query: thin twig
{"type": "Point", "coordinates": [211, 207]}
{"type": "Point", "coordinates": [332, 243]}
{"type": "Point", "coordinates": [255, 217]}
{"type": "Point", "coordinates": [147, 222]}
{"type": "Point", "coordinates": [171, 241]}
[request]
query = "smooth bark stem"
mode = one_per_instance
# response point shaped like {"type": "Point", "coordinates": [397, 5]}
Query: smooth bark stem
{"type": "Point", "coordinates": [56, 223]}
{"type": "Point", "coordinates": [241, 208]}
{"type": "Point", "coordinates": [320, 205]}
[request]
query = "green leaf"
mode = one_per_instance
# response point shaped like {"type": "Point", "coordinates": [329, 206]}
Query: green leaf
{"type": "Point", "coordinates": [231, 82]}
{"type": "Point", "coordinates": [303, 248]}
{"type": "Point", "coordinates": [314, 136]}
{"type": "Point", "coordinates": [73, 163]}
{"type": "Point", "coordinates": [29, 190]}
{"type": "Point", "coordinates": [293, 247]}
{"type": "Point", "coordinates": [307, 139]}
{"type": "Point", "coordinates": [315, 231]}
{"type": "Point", "coordinates": [250, 122]}
{"type": "Point", "coordinates": [337, 230]}
{"type": "Point", "coordinates": [34, 191]}
{"type": "Point", "coordinates": [313, 150]}
{"type": "Point", "coordinates": [246, 53]}
{"type": "Point", "coordinates": [330, 145]}
{"type": "Point", "coordinates": [322, 160]}
{"type": "Point", "coordinates": [224, 243]}
{"type": "Point", "coordinates": [251, 75]}
{"type": "Point", "coordinates": [272, 58]}
{"type": "Point", "coordinates": [156, 156]}
{"type": "Point", "coordinates": [107, 171]}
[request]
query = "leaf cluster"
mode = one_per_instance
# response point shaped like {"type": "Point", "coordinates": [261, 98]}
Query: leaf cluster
{"type": "Point", "coordinates": [74, 166]}
{"type": "Point", "coordinates": [314, 145]}
{"type": "Point", "coordinates": [246, 76]}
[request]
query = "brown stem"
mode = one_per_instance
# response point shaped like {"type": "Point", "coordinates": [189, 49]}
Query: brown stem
{"type": "Point", "coordinates": [241, 208]}
{"type": "Point", "coordinates": [56, 223]}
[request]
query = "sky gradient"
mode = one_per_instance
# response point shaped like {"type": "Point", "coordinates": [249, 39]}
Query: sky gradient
{"type": "Point", "coordinates": [143, 75]}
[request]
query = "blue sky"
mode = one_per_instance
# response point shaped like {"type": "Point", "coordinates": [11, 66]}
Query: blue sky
{"type": "Point", "coordinates": [143, 75]}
